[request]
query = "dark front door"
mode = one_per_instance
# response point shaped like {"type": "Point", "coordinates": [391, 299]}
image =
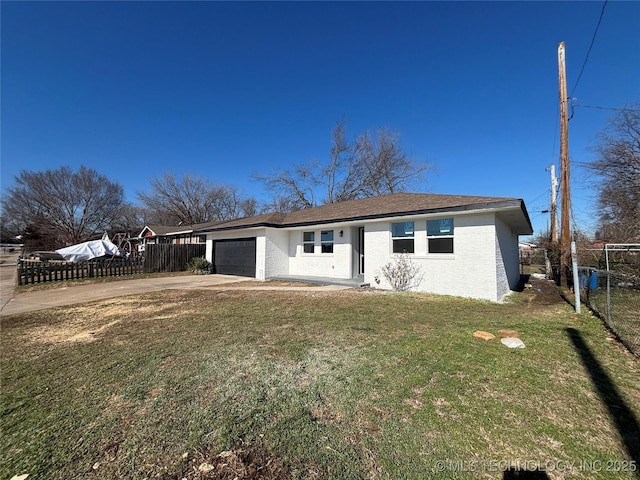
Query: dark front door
{"type": "Point", "coordinates": [361, 250]}
{"type": "Point", "coordinates": [235, 257]}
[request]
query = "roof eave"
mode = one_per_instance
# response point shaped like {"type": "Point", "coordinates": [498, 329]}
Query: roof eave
{"type": "Point", "coordinates": [182, 232]}
{"type": "Point", "coordinates": [238, 227]}
{"type": "Point", "coordinates": [488, 206]}
{"type": "Point", "coordinates": [508, 204]}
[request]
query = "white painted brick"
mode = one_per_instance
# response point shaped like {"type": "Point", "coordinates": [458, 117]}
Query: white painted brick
{"type": "Point", "coordinates": [484, 264]}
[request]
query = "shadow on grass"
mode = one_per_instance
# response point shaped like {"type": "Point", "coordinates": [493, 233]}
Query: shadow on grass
{"type": "Point", "coordinates": [515, 474]}
{"type": "Point", "coordinates": [623, 418]}
{"type": "Point", "coordinates": [524, 279]}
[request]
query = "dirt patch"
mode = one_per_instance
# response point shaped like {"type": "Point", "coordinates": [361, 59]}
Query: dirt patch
{"type": "Point", "coordinates": [545, 292]}
{"type": "Point", "coordinates": [86, 323]}
{"type": "Point", "coordinates": [74, 331]}
{"type": "Point", "coordinates": [247, 462]}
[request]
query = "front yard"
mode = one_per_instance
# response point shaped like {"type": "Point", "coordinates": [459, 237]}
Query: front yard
{"type": "Point", "coordinates": [354, 384]}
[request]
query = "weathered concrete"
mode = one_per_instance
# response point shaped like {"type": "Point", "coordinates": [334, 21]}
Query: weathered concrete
{"type": "Point", "coordinates": [57, 297]}
{"type": "Point", "coordinates": [8, 273]}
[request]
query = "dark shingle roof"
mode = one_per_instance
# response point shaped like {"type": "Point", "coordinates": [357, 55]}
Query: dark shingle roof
{"type": "Point", "coordinates": [166, 229]}
{"type": "Point", "coordinates": [396, 204]}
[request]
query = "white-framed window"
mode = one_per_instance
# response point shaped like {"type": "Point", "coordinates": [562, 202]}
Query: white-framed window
{"type": "Point", "coordinates": [308, 242]}
{"type": "Point", "coordinates": [440, 235]}
{"type": "Point", "coordinates": [402, 237]}
{"type": "Point", "coordinates": [326, 241]}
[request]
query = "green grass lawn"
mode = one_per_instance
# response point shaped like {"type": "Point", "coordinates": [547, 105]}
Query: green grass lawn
{"type": "Point", "coordinates": [352, 384]}
{"type": "Point", "coordinates": [624, 314]}
{"type": "Point", "coordinates": [529, 269]}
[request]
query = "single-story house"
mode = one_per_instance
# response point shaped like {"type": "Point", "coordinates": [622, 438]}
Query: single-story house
{"type": "Point", "coordinates": [463, 245]}
{"type": "Point", "coordinates": [180, 234]}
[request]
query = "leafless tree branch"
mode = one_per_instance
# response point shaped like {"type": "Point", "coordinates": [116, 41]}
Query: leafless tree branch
{"type": "Point", "coordinates": [373, 164]}
{"type": "Point", "coordinates": [190, 200]}
{"type": "Point", "coordinates": [61, 205]}
{"type": "Point", "coordinates": [617, 167]}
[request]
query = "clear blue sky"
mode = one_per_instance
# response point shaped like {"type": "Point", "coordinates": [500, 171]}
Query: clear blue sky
{"type": "Point", "coordinates": [225, 89]}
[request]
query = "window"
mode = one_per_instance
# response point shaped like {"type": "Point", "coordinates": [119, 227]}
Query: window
{"type": "Point", "coordinates": [326, 241]}
{"type": "Point", "coordinates": [440, 235]}
{"type": "Point", "coordinates": [402, 237]}
{"type": "Point", "coordinates": [308, 241]}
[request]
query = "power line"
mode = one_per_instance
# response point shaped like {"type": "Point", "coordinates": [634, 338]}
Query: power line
{"type": "Point", "coordinates": [539, 196]}
{"type": "Point", "coordinates": [574, 224]}
{"type": "Point", "coordinates": [609, 108]}
{"type": "Point", "coordinates": [535, 215]}
{"type": "Point", "coordinates": [593, 39]}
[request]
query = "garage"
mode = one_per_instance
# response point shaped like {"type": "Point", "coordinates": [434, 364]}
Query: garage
{"type": "Point", "coordinates": [235, 256]}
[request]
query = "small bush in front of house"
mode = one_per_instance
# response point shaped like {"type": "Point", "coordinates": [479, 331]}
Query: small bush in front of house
{"type": "Point", "coordinates": [402, 273]}
{"type": "Point", "coordinates": [199, 265]}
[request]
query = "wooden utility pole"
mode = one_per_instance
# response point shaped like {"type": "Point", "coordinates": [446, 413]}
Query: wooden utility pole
{"type": "Point", "coordinates": [554, 206]}
{"type": "Point", "coordinates": [565, 233]}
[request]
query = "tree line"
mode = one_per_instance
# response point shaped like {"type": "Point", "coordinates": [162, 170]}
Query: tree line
{"type": "Point", "coordinates": [59, 207]}
{"type": "Point", "coordinates": [52, 208]}
{"type": "Point", "coordinates": [617, 172]}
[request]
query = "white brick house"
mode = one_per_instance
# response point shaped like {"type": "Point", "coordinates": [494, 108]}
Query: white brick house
{"type": "Point", "coordinates": [464, 245]}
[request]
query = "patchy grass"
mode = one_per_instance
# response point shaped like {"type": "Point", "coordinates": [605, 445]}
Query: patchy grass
{"type": "Point", "coordinates": [530, 269]}
{"type": "Point", "coordinates": [140, 276]}
{"type": "Point", "coordinates": [351, 384]}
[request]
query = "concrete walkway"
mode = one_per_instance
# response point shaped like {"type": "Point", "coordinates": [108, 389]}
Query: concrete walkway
{"type": "Point", "coordinates": [57, 297]}
{"type": "Point", "coordinates": [345, 282]}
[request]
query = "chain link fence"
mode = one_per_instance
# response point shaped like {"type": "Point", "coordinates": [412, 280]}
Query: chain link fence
{"type": "Point", "coordinates": [534, 261]}
{"type": "Point", "coordinates": [609, 280]}
{"type": "Point", "coordinates": [613, 293]}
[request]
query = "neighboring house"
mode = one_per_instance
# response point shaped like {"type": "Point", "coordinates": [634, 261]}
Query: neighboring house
{"type": "Point", "coordinates": [181, 234]}
{"type": "Point", "coordinates": [464, 245]}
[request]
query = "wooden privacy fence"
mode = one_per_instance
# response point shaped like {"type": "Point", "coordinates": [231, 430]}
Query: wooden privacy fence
{"type": "Point", "coordinates": [158, 258]}
{"type": "Point", "coordinates": [34, 271]}
{"type": "Point", "coordinates": [165, 257]}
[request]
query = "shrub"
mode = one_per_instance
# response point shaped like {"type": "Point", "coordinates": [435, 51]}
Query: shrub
{"type": "Point", "coordinates": [402, 273]}
{"type": "Point", "coordinates": [199, 265]}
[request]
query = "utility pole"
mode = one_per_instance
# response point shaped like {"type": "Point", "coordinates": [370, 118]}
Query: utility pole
{"type": "Point", "coordinates": [554, 206]}
{"type": "Point", "coordinates": [565, 233]}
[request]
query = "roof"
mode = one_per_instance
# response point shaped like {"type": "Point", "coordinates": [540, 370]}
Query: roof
{"type": "Point", "coordinates": [385, 206]}
{"type": "Point", "coordinates": [157, 230]}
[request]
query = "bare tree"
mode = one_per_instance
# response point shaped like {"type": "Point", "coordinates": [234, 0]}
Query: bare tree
{"type": "Point", "coordinates": [250, 207]}
{"type": "Point", "coordinates": [371, 165]}
{"type": "Point", "coordinates": [190, 200]}
{"type": "Point", "coordinates": [292, 189]}
{"type": "Point", "coordinates": [131, 219]}
{"type": "Point", "coordinates": [617, 167]}
{"type": "Point", "coordinates": [62, 206]}
{"type": "Point", "coordinates": [339, 173]}
{"type": "Point", "coordinates": [384, 167]}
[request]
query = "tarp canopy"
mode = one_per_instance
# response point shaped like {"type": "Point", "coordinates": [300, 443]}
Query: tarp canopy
{"type": "Point", "coordinates": [92, 249]}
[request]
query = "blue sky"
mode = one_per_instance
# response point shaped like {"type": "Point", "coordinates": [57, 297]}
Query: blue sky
{"type": "Point", "coordinates": [226, 89]}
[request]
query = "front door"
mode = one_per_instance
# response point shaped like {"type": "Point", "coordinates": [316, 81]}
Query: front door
{"type": "Point", "coordinates": [361, 251]}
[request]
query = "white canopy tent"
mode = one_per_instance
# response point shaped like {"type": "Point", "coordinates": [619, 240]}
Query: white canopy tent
{"type": "Point", "coordinates": [92, 249]}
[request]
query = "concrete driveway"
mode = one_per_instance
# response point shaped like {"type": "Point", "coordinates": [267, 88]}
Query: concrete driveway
{"type": "Point", "coordinates": [8, 264]}
{"type": "Point", "coordinates": [57, 297]}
